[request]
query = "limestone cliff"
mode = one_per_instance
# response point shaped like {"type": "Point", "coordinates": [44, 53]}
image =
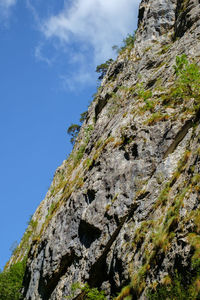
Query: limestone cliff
{"type": "Point", "coordinates": [124, 209]}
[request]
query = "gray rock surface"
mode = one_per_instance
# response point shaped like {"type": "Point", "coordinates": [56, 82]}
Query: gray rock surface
{"type": "Point", "coordinates": [103, 218]}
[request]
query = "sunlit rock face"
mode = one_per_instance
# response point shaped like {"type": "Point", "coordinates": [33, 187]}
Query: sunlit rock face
{"type": "Point", "coordinates": [124, 208]}
{"type": "Point", "coordinates": [156, 18]}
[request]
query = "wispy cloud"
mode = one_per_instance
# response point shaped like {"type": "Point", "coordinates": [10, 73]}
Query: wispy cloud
{"type": "Point", "coordinates": [7, 3]}
{"type": "Point", "coordinates": [40, 56]}
{"type": "Point", "coordinates": [96, 23]}
{"type": "Point", "coordinates": [72, 80]}
{"type": "Point", "coordinates": [85, 31]}
{"type": "Point", "coordinates": [33, 10]}
{"type": "Point", "coordinates": [5, 7]}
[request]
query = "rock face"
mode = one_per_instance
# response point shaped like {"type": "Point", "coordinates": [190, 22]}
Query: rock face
{"type": "Point", "coordinates": [124, 208]}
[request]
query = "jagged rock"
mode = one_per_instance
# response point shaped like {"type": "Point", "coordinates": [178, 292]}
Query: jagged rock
{"type": "Point", "coordinates": [130, 176]}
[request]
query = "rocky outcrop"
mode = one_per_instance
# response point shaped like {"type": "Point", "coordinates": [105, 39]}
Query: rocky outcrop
{"type": "Point", "coordinates": [124, 208]}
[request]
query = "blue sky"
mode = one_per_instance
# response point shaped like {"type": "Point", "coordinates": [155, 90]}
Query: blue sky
{"type": "Point", "coordinates": [48, 55]}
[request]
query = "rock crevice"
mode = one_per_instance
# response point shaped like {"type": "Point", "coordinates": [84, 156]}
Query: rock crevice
{"type": "Point", "coordinates": [124, 208]}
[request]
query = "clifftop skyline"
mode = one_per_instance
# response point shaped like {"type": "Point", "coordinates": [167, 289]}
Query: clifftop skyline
{"type": "Point", "coordinates": [43, 90]}
{"type": "Point", "coordinates": [121, 217]}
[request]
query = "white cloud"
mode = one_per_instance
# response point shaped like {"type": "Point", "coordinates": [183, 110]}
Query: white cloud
{"type": "Point", "coordinates": [7, 3]}
{"type": "Point", "coordinates": [81, 77]}
{"type": "Point", "coordinates": [40, 56]}
{"type": "Point", "coordinates": [97, 23]}
{"type": "Point", "coordinates": [5, 7]}
{"type": "Point", "coordinates": [84, 31]}
{"type": "Point", "coordinates": [33, 10]}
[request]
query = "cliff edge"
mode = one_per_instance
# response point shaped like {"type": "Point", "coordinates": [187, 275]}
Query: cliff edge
{"type": "Point", "coordinates": [123, 211]}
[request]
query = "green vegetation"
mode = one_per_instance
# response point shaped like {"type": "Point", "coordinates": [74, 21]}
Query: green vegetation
{"type": "Point", "coordinates": [51, 210]}
{"type": "Point", "coordinates": [83, 116]}
{"type": "Point", "coordinates": [74, 129]}
{"type": "Point", "coordinates": [143, 94]}
{"type": "Point", "coordinates": [188, 78]}
{"type": "Point", "coordinates": [179, 286]}
{"type": "Point", "coordinates": [156, 234]}
{"type": "Point", "coordinates": [64, 180]}
{"type": "Point", "coordinates": [11, 281]}
{"type": "Point", "coordinates": [103, 68]}
{"type": "Point", "coordinates": [24, 245]}
{"type": "Point", "coordinates": [81, 150]}
{"type": "Point", "coordinates": [79, 154]}
{"type": "Point", "coordinates": [125, 294]}
{"type": "Point", "coordinates": [187, 83]}
{"type": "Point", "coordinates": [128, 43]}
{"type": "Point", "coordinates": [194, 240]}
{"type": "Point", "coordinates": [185, 89]}
{"type": "Point", "coordinates": [146, 96]}
{"type": "Point", "coordinates": [93, 293]}
{"type": "Point", "coordinates": [154, 238]}
{"type": "Point", "coordinates": [88, 293]}
{"type": "Point", "coordinates": [164, 49]}
{"type": "Point", "coordinates": [88, 130]}
{"type": "Point", "coordinates": [156, 117]}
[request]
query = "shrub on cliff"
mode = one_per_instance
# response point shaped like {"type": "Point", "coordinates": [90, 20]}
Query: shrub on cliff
{"type": "Point", "coordinates": [102, 69]}
{"type": "Point", "coordinates": [88, 293]}
{"type": "Point", "coordinates": [186, 85]}
{"type": "Point", "coordinates": [188, 79]}
{"type": "Point", "coordinates": [177, 287]}
{"type": "Point", "coordinates": [74, 129]}
{"type": "Point", "coordinates": [11, 282]}
{"type": "Point", "coordinates": [128, 43]}
{"type": "Point", "coordinates": [93, 293]}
